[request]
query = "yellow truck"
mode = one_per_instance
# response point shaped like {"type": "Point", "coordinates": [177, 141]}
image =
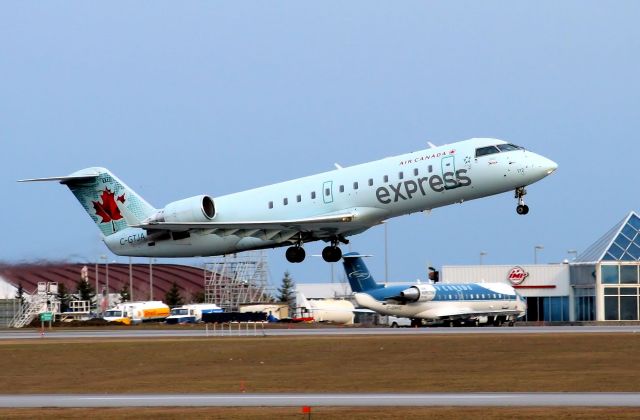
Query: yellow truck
{"type": "Point", "coordinates": [136, 312]}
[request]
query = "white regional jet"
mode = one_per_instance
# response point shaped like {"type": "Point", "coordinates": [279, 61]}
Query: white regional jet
{"type": "Point", "coordinates": [329, 206]}
{"type": "Point", "coordinates": [449, 302]}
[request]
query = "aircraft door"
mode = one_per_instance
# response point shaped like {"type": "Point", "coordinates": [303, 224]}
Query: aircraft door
{"type": "Point", "coordinates": [448, 166]}
{"type": "Point", "coordinates": [327, 192]}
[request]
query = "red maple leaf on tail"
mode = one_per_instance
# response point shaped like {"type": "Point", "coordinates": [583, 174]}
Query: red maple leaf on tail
{"type": "Point", "coordinates": [108, 209]}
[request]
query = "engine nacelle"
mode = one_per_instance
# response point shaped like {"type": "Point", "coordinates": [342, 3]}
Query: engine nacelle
{"type": "Point", "coordinates": [419, 293]}
{"type": "Point", "coordinates": [193, 209]}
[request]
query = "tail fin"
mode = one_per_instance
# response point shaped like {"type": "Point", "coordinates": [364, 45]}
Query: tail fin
{"type": "Point", "coordinates": [358, 274]}
{"type": "Point", "coordinates": [111, 204]}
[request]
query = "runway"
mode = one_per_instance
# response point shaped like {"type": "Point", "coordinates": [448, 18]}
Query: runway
{"type": "Point", "coordinates": [334, 400]}
{"type": "Point", "coordinates": [56, 333]}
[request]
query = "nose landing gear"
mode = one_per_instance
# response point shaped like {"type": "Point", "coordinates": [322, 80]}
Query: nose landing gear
{"type": "Point", "coordinates": [521, 208]}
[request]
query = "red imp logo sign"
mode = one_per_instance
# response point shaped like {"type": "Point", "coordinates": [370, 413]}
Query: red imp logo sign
{"type": "Point", "coordinates": [517, 275]}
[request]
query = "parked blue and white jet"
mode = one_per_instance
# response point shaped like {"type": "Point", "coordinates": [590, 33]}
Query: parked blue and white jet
{"type": "Point", "coordinates": [453, 302]}
{"type": "Point", "coordinates": [329, 206]}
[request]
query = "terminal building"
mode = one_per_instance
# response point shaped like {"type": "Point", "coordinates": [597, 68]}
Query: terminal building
{"type": "Point", "coordinates": [600, 284]}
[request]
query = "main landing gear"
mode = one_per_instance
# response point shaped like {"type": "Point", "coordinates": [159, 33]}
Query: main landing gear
{"type": "Point", "coordinates": [332, 253]}
{"type": "Point", "coordinates": [295, 254]}
{"type": "Point", "coordinates": [522, 208]}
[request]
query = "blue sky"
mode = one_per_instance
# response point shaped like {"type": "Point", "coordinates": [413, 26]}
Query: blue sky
{"type": "Point", "coordinates": [185, 98]}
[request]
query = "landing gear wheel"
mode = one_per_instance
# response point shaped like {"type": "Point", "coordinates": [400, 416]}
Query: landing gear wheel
{"type": "Point", "coordinates": [522, 208]}
{"type": "Point", "coordinates": [331, 254]}
{"type": "Point", "coordinates": [295, 254]}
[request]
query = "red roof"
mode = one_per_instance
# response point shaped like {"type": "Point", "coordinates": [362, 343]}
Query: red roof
{"type": "Point", "coordinates": [190, 280]}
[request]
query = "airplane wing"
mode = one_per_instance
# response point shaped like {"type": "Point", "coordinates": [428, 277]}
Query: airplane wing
{"type": "Point", "coordinates": [309, 223]}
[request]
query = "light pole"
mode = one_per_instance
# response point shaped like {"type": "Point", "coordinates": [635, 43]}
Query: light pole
{"type": "Point", "coordinates": [482, 254]}
{"type": "Point", "coordinates": [574, 252]}
{"type": "Point", "coordinates": [151, 260]}
{"type": "Point", "coordinates": [106, 259]}
{"type": "Point", "coordinates": [535, 253]}
{"type": "Point", "coordinates": [130, 281]}
{"type": "Point", "coordinates": [386, 255]}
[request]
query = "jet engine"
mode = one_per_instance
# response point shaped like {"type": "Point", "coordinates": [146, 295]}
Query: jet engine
{"type": "Point", "coordinates": [419, 293]}
{"type": "Point", "coordinates": [193, 209]}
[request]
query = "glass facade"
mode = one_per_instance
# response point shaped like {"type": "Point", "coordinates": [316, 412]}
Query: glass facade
{"type": "Point", "coordinates": [621, 303]}
{"type": "Point", "coordinates": [626, 245]}
{"type": "Point", "coordinates": [547, 308]}
{"type": "Point", "coordinates": [584, 300]}
{"type": "Point", "coordinates": [606, 276]}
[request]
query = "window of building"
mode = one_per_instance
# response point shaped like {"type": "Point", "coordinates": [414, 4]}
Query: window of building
{"type": "Point", "coordinates": [270, 204]}
{"type": "Point", "coordinates": [629, 274]}
{"type": "Point", "coordinates": [298, 198]}
{"type": "Point", "coordinates": [609, 274]}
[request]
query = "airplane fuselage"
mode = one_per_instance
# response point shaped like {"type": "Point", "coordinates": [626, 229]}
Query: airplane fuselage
{"type": "Point", "coordinates": [449, 301]}
{"type": "Point", "coordinates": [372, 192]}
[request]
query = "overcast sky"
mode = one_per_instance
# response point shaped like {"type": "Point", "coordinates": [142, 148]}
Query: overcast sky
{"type": "Point", "coordinates": [185, 98]}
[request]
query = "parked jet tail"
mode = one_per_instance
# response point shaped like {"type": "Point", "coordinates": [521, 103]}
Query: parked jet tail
{"type": "Point", "coordinates": [111, 204]}
{"type": "Point", "coordinates": [359, 276]}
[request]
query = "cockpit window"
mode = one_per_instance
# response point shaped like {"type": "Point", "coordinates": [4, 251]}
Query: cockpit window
{"type": "Point", "coordinates": [508, 147]}
{"type": "Point", "coordinates": [489, 150]}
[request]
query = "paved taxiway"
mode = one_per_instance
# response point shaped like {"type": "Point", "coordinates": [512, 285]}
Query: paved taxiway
{"type": "Point", "coordinates": [201, 332]}
{"type": "Point", "coordinates": [285, 400]}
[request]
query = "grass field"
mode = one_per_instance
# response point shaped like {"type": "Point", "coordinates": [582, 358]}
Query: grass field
{"type": "Point", "coordinates": [327, 413]}
{"type": "Point", "coordinates": [426, 363]}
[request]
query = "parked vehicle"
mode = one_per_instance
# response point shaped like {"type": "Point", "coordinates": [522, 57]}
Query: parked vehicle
{"type": "Point", "coordinates": [136, 312]}
{"type": "Point", "coordinates": [192, 313]}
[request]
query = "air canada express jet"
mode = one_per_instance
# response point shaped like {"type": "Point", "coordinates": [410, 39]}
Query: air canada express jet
{"type": "Point", "coordinates": [329, 206]}
{"type": "Point", "coordinates": [450, 302]}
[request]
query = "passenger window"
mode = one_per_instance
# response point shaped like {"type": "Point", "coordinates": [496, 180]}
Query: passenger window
{"type": "Point", "coordinates": [355, 185]}
{"type": "Point", "coordinates": [313, 195]}
{"type": "Point", "coordinates": [430, 168]}
{"type": "Point", "coordinates": [285, 201]}
{"type": "Point", "coordinates": [299, 198]}
{"type": "Point", "coordinates": [489, 150]}
{"type": "Point", "coordinates": [327, 192]}
{"type": "Point", "coordinates": [270, 204]}
{"type": "Point", "coordinates": [400, 175]}
{"type": "Point", "coordinates": [370, 182]}
{"type": "Point", "coordinates": [415, 172]}
{"type": "Point", "coordinates": [341, 188]}
{"type": "Point", "coordinates": [385, 178]}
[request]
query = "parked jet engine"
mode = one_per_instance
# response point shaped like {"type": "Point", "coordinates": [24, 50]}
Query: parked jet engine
{"type": "Point", "coordinates": [419, 293]}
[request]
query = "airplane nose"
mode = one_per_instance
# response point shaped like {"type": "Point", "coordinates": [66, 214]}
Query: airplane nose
{"type": "Point", "coordinates": [548, 165]}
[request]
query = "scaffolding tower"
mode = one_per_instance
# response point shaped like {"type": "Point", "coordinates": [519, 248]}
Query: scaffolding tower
{"type": "Point", "coordinates": [230, 281]}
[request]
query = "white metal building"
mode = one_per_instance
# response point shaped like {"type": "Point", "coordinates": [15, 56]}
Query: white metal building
{"type": "Point", "coordinates": [546, 287]}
